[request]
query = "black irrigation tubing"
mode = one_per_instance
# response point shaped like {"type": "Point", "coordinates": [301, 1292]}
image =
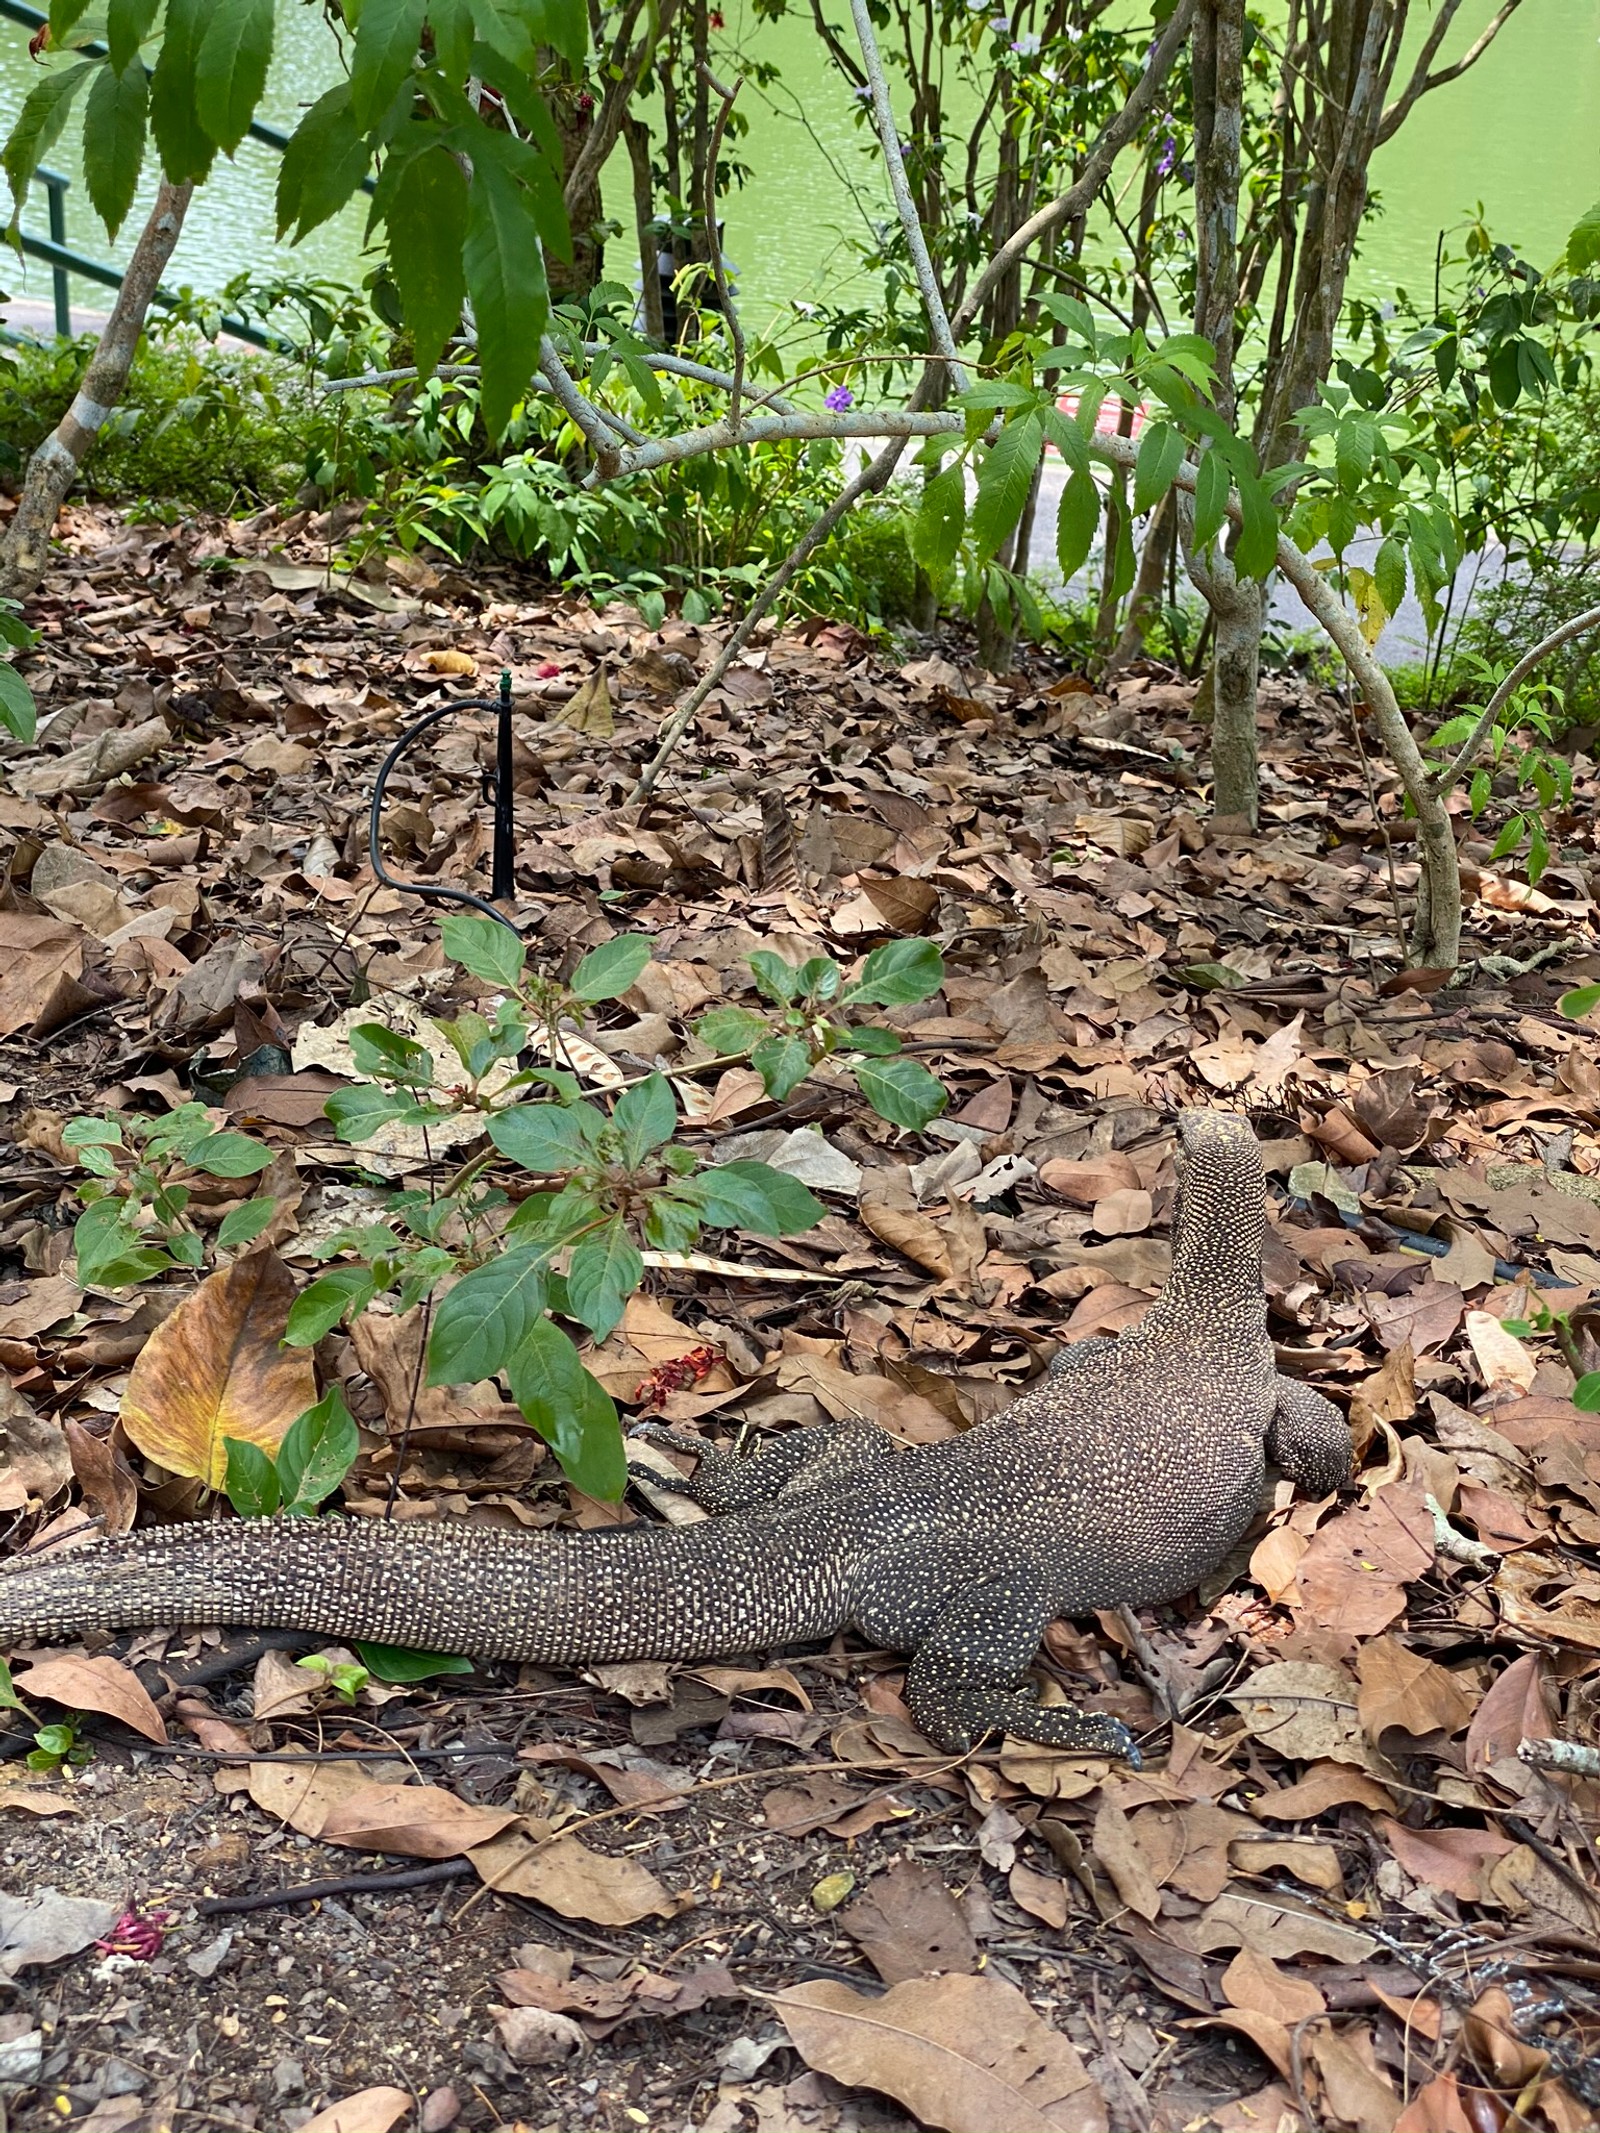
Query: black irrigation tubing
{"type": "Point", "coordinates": [1408, 1240]}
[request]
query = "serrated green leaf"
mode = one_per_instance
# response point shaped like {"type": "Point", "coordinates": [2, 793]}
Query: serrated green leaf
{"type": "Point", "coordinates": [18, 714]}
{"type": "Point", "coordinates": [427, 225]}
{"type": "Point", "coordinates": [388, 34]}
{"type": "Point", "coordinates": [1004, 481]}
{"type": "Point", "coordinates": [319, 1449]}
{"type": "Point", "coordinates": [128, 24]}
{"type": "Point", "coordinates": [610, 969]}
{"type": "Point", "coordinates": [113, 140]}
{"type": "Point", "coordinates": [44, 112]}
{"type": "Point", "coordinates": [900, 1090]}
{"type": "Point", "coordinates": [941, 520]}
{"type": "Point", "coordinates": [1160, 456]}
{"type": "Point", "coordinates": [327, 157]}
{"type": "Point", "coordinates": [251, 1480]}
{"type": "Point", "coordinates": [505, 278]}
{"type": "Point", "coordinates": [574, 1414]}
{"type": "Point", "coordinates": [1077, 522]}
{"type": "Point", "coordinates": [1389, 575]}
{"type": "Point", "coordinates": [187, 150]}
{"type": "Point", "coordinates": [230, 67]}
{"type": "Point", "coordinates": [484, 949]}
{"type": "Point", "coordinates": [755, 1197]}
{"type": "Point", "coordinates": [342, 1292]}
{"type": "Point", "coordinates": [480, 1323]}
{"type": "Point", "coordinates": [730, 1030]}
{"type": "Point", "coordinates": [229, 1155]}
{"type": "Point", "coordinates": [898, 974]}
{"type": "Point", "coordinates": [604, 1270]}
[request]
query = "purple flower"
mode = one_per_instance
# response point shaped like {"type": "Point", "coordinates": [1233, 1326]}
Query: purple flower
{"type": "Point", "coordinates": [1169, 156]}
{"type": "Point", "coordinates": [839, 399]}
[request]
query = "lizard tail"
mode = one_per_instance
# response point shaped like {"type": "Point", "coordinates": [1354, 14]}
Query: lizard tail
{"type": "Point", "coordinates": [444, 1585]}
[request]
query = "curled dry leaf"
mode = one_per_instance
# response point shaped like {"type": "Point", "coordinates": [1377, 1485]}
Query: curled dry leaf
{"type": "Point", "coordinates": [568, 1877]}
{"type": "Point", "coordinates": [102, 1684]}
{"type": "Point", "coordinates": [368, 2111]}
{"type": "Point", "coordinates": [34, 1460]}
{"type": "Point", "coordinates": [1400, 1688]}
{"type": "Point", "coordinates": [1501, 1357]}
{"type": "Point", "coordinates": [46, 1927]}
{"type": "Point", "coordinates": [417, 1821]}
{"type": "Point", "coordinates": [1303, 1711]}
{"type": "Point", "coordinates": [907, 1924]}
{"type": "Point", "coordinates": [217, 1368]}
{"type": "Point", "coordinates": [965, 2053]}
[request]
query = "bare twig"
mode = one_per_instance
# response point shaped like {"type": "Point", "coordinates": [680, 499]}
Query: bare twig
{"type": "Point", "coordinates": [602, 430]}
{"type": "Point", "coordinates": [719, 266]}
{"type": "Point", "coordinates": [1588, 620]}
{"type": "Point", "coordinates": [1422, 80]}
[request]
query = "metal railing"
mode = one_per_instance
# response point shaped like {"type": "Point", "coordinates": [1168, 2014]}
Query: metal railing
{"type": "Point", "coordinates": [64, 262]}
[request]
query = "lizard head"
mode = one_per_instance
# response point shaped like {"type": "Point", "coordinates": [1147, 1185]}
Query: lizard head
{"type": "Point", "coordinates": [1220, 1219]}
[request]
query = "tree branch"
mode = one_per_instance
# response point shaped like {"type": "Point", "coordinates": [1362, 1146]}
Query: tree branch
{"type": "Point", "coordinates": [1590, 620]}
{"type": "Point", "coordinates": [607, 128]}
{"type": "Point", "coordinates": [719, 266]}
{"type": "Point", "coordinates": [1422, 81]}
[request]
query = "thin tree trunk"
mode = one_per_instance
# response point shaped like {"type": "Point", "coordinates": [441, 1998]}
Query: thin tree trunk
{"type": "Point", "coordinates": [637, 135]}
{"type": "Point", "coordinates": [1153, 559]}
{"type": "Point", "coordinates": [54, 467]}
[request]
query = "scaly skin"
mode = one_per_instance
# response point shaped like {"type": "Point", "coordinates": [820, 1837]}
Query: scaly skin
{"type": "Point", "coordinates": [1120, 1478]}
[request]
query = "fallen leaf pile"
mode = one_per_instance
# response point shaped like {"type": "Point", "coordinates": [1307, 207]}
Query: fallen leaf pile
{"type": "Point", "coordinates": [1356, 1884]}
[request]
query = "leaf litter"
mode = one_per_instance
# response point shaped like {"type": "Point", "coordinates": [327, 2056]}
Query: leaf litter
{"type": "Point", "coordinates": [1341, 1892]}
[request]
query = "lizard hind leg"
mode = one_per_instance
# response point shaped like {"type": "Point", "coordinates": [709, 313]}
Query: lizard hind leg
{"type": "Point", "coordinates": [968, 1674]}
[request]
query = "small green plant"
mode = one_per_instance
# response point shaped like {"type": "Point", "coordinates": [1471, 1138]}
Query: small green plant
{"type": "Point", "coordinates": [317, 1452]}
{"type": "Point", "coordinates": [137, 1220]}
{"type": "Point", "coordinates": [54, 1745]}
{"type": "Point", "coordinates": [1586, 1392]}
{"type": "Point", "coordinates": [18, 715]}
{"type": "Point", "coordinates": [895, 975]}
{"type": "Point", "coordinates": [345, 1679]}
{"type": "Point", "coordinates": [1522, 757]}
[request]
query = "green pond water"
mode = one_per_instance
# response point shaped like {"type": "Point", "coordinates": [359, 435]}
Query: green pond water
{"type": "Point", "coordinates": [1520, 133]}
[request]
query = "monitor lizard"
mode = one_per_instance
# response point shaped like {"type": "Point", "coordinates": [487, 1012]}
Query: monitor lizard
{"type": "Point", "coordinates": [1121, 1477]}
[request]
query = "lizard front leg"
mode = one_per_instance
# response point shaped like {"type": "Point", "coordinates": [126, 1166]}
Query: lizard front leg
{"type": "Point", "coordinates": [790, 1465]}
{"type": "Point", "coordinates": [1308, 1439]}
{"type": "Point", "coordinates": [968, 1672]}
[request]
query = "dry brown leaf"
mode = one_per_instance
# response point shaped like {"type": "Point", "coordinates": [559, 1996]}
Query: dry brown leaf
{"type": "Point", "coordinates": [1117, 1847]}
{"type": "Point", "coordinates": [1436, 2108]}
{"type": "Point", "coordinates": [965, 2053]}
{"type": "Point", "coordinates": [568, 1877]}
{"type": "Point", "coordinates": [1354, 1575]}
{"type": "Point", "coordinates": [368, 2111]}
{"type": "Point", "coordinates": [1255, 1982]}
{"type": "Point", "coordinates": [1128, 1212]}
{"type": "Point", "coordinates": [1275, 1562]}
{"type": "Point", "coordinates": [1389, 1395]}
{"type": "Point", "coordinates": [1275, 1926]}
{"type": "Point", "coordinates": [1353, 2088]}
{"type": "Point", "coordinates": [1501, 1358]}
{"type": "Point", "coordinates": [1302, 1710]}
{"type": "Point", "coordinates": [1042, 1896]}
{"type": "Point", "coordinates": [102, 1684]}
{"type": "Point", "coordinates": [417, 1821]}
{"type": "Point", "coordinates": [34, 1796]}
{"type": "Point", "coordinates": [305, 1798]}
{"type": "Point", "coordinates": [1084, 1184]}
{"type": "Point", "coordinates": [38, 955]}
{"type": "Point", "coordinates": [217, 1368]}
{"type": "Point", "coordinates": [1453, 1859]}
{"type": "Point", "coordinates": [1516, 1708]}
{"type": "Point", "coordinates": [1317, 1865]}
{"type": "Point", "coordinates": [34, 1459]}
{"type": "Point", "coordinates": [1269, 2036]}
{"type": "Point", "coordinates": [907, 1924]}
{"type": "Point", "coordinates": [1399, 1687]}
{"type": "Point", "coordinates": [109, 1489]}
{"type": "Point", "coordinates": [1324, 1785]}
{"type": "Point", "coordinates": [1524, 1583]}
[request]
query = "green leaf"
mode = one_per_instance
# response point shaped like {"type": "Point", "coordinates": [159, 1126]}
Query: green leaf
{"type": "Point", "coordinates": [1004, 480]}
{"type": "Point", "coordinates": [603, 1273]}
{"type": "Point", "coordinates": [900, 1090]}
{"type": "Point", "coordinates": [645, 1116]}
{"type": "Point", "coordinates": [753, 1196]}
{"type": "Point", "coordinates": [427, 224]}
{"type": "Point", "coordinates": [9, 1699]}
{"type": "Point", "coordinates": [391, 1662]}
{"type": "Point", "coordinates": [359, 1111]}
{"type": "Point", "coordinates": [128, 24]}
{"type": "Point", "coordinates": [113, 140]}
{"type": "Point", "coordinates": [505, 279]}
{"type": "Point", "coordinates": [387, 36]}
{"type": "Point", "coordinates": [1582, 1000]}
{"type": "Point", "coordinates": [65, 15]}
{"type": "Point", "coordinates": [562, 23]}
{"type": "Point", "coordinates": [327, 157]}
{"type": "Point", "coordinates": [230, 67]}
{"type": "Point", "coordinates": [243, 1224]}
{"type": "Point", "coordinates": [779, 981]}
{"type": "Point", "coordinates": [480, 1324]}
{"type": "Point", "coordinates": [18, 714]}
{"type": "Point", "coordinates": [380, 1051]}
{"type": "Point", "coordinates": [899, 973]}
{"type": "Point", "coordinates": [1211, 485]}
{"type": "Point", "coordinates": [1256, 549]}
{"type": "Point", "coordinates": [343, 1292]}
{"type": "Point", "coordinates": [941, 520]}
{"type": "Point", "coordinates": [730, 1030]}
{"type": "Point", "coordinates": [251, 1481]}
{"type": "Point", "coordinates": [109, 1250]}
{"type": "Point", "coordinates": [610, 969]}
{"type": "Point", "coordinates": [670, 1225]}
{"type": "Point", "coordinates": [783, 1063]}
{"type": "Point", "coordinates": [547, 1138]}
{"type": "Point", "coordinates": [229, 1155]}
{"type": "Point", "coordinates": [1160, 456]}
{"type": "Point", "coordinates": [43, 114]}
{"type": "Point", "coordinates": [575, 1416]}
{"type": "Point", "coordinates": [187, 150]}
{"type": "Point", "coordinates": [484, 949]}
{"type": "Point", "coordinates": [317, 1452]}
{"type": "Point", "coordinates": [1389, 575]}
{"type": "Point", "coordinates": [1077, 522]}
{"type": "Point", "coordinates": [866, 1037]}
